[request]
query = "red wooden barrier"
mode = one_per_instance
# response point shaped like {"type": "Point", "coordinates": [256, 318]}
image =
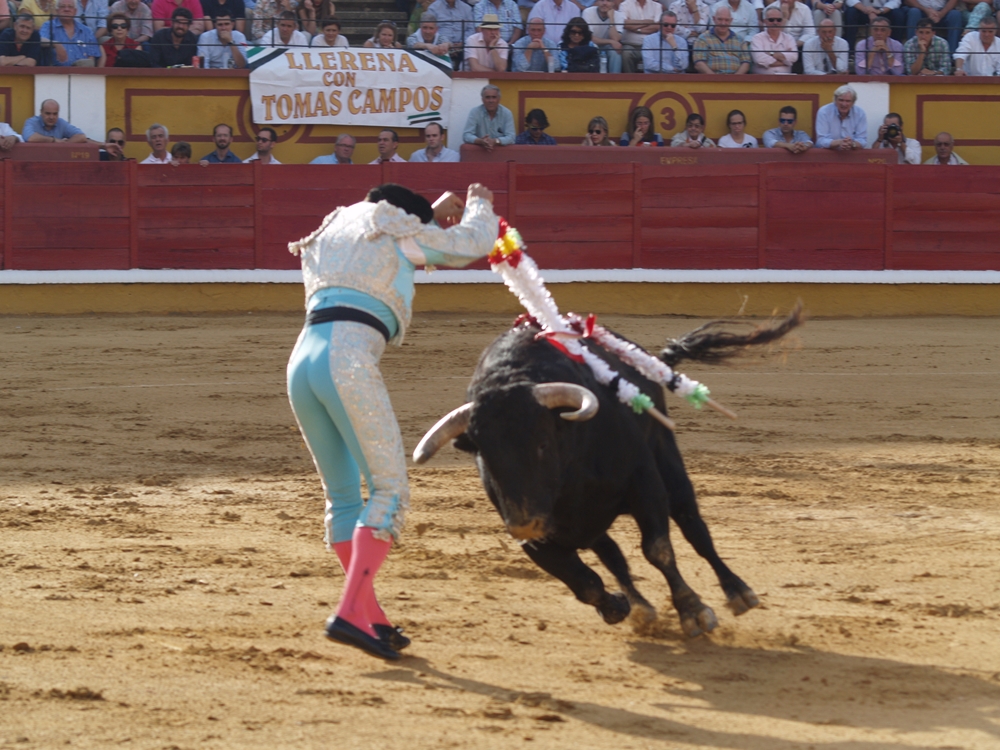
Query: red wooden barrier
{"type": "Point", "coordinates": [624, 215]}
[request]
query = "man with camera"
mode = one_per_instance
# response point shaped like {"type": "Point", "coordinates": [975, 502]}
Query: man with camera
{"type": "Point", "coordinates": [890, 135]}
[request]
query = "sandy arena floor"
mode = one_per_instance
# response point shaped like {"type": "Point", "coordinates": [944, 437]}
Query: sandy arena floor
{"type": "Point", "coordinates": [164, 584]}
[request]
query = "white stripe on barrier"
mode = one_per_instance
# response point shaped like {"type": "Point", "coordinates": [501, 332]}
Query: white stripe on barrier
{"type": "Point", "coordinates": [552, 276]}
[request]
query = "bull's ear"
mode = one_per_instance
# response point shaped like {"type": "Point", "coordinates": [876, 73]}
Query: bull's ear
{"type": "Point", "coordinates": [464, 443]}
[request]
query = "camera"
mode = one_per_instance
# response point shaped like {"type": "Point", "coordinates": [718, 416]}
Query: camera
{"type": "Point", "coordinates": [892, 131]}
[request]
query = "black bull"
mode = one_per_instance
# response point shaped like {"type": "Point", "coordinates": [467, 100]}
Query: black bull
{"type": "Point", "coordinates": [560, 474]}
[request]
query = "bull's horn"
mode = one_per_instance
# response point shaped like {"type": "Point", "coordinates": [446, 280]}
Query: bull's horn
{"type": "Point", "coordinates": [554, 395]}
{"type": "Point", "coordinates": [448, 428]}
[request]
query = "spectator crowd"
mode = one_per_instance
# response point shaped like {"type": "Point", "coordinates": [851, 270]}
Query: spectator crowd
{"type": "Point", "coordinates": [841, 125]}
{"type": "Point", "coordinates": [866, 37]}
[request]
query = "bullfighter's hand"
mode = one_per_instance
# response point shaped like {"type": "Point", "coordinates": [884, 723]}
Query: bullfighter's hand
{"type": "Point", "coordinates": [479, 191]}
{"type": "Point", "coordinates": [448, 209]}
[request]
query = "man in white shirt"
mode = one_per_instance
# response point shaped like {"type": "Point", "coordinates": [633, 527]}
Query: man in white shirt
{"type": "Point", "coordinates": [555, 13]}
{"type": "Point", "coordinates": [266, 138]}
{"type": "Point", "coordinates": [388, 142]}
{"type": "Point", "coordinates": [774, 52]}
{"type": "Point", "coordinates": [157, 137]}
{"type": "Point", "coordinates": [642, 18]}
{"type": "Point", "coordinates": [826, 53]}
{"type": "Point", "coordinates": [330, 35]}
{"type": "Point", "coordinates": [435, 151]}
{"type": "Point", "coordinates": [9, 137]}
{"type": "Point", "coordinates": [285, 34]}
{"type": "Point", "coordinates": [890, 135]}
{"type": "Point", "coordinates": [607, 26]}
{"type": "Point", "coordinates": [979, 52]}
{"type": "Point", "coordinates": [944, 155]}
{"type": "Point", "coordinates": [693, 18]}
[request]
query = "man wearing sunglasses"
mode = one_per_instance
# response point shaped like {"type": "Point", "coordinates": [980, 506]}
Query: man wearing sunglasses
{"type": "Point", "coordinates": [114, 145]}
{"type": "Point", "coordinates": [266, 138]}
{"type": "Point", "coordinates": [774, 52]}
{"type": "Point", "coordinates": [534, 133]}
{"type": "Point", "coordinates": [666, 52]}
{"type": "Point", "coordinates": [786, 136]}
{"type": "Point", "coordinates": [222, 47]}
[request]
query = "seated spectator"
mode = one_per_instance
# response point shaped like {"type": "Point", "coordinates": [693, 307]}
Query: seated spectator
{"type": "Point", "coordinates": [75, 44]}
{"type": "Point", "coordinates": [21, 45]}
{"type": "Point", "coordinates": [556, 13]}
{"type": "Point", "coordinates": [945, 155]}
{"type": "Point", "coordinates": [435, 151]}
{"type": "Point", "coordinates": [534, 133]}
{"type": "Point", "coordinates": [825, 53]}
{"type": "Point", "coordinates": [49, 127]}
{"type": "Point", "coordinates": [388, 143]}
{"type": "Point", "coordinates": [222, 134]}
{"type": "Point", "coordinates": [642, 18]}
{"type": "Point", "coordinates": [224, 47]}
{"type": "Point", "coordinates": [343, 150]}
{"type": "Point", "coordinates": [842, 125]}
{"type": "Point", "coordinates": [330, 35]}
{"type": "Point", "coordinates": [118, 25]}
{"type": "Point", "coordinates": [926, 54]}
{"type": "Point", "coordinates": [286, 33]}
{"type": "Point", "coordinates": [577, 53]}
{"type": "Point", "coordinates": [773, 50]}
{"type": "Point", "coordinates": [485, 51]}
{"type": "Point", "coordinates": [948, 22]}
{"type": "Point", "coordinates": [508, 13]}
{"type": "Point", "coordinates": [455, 23]}
{"type": "Point", "coordinates": [313, 11]}
{"type": "Point", "coordinates": [693, 17]}
{"type": "Point", "coordinates": [157, 136]}
{"type": "Point", "coordinates": [878, 55]}
{"type": "Point", "coordinates": [607, 25]}
{"type": "Point", "coordinates": [797, 20]}
{"type": "Point", "coordinates": [384, 37]}
{"type": "Point", "coordinates": [8, 136]}
{"type": "Point", "coordinates": [140, 19]}
{"type": "Point", "coordinates": [737, 137]}
{"type": "Point", "coordinates": [176, 45]}
{"type": "Point", "coordinates": [180, 153]}
{"type": "Point", "coordinates": [832, 11]}
{"type": "Point", "coordinates": [535, 52]}
{"type": "Point", "coordinates": [640, 129]}
{"type": "Point", "coordinates": [490, 124]}
{"type": "Point", "coordinates": [265, 139]}
{"type": "Point", "coordinates": [597, 133]}
{"type": "Point", "coordinates": [718, 50]}
{"type": "Point", "coordinates": [164, 10]}
{"type": "Point", "coordinates": [667, 51]}
{"type": "Point", "coordinates": [266, 14]}
{"type": "Point", "coordinates": [234, 9]}
{"type": "Point", "coordinates": [40, 10]}
{"type": "Point", "coordinates": [693, 135]}
{"type": "Point", "coordinates": [93, 14]}
{"type": "Point", "coordinates": [865, 11]}
{"type": "Point", "coordinates": [890, 135]}
{"type": "Point", "coordinates": [744, 19]}
{"type": "Point", "coordinates": [786, 136]}
{"type": "Point", "coordinates": [979, 52]}
{"type": "Point", "coordinates": [428, 37]}
{"type": "Point", "coordinates": [114, 146]}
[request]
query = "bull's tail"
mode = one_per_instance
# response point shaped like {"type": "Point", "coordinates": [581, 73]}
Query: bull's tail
{"type": "Point", "coordinates": [710, 343]}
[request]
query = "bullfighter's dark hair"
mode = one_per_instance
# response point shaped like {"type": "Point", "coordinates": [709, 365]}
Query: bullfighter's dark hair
{"type": "Point", "coordinates": [403, 198]}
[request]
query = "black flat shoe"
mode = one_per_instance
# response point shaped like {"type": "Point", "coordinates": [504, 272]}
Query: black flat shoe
{"type": "Point", "coordinates": [342, 631]}
{"type": "Point", "coordinates": [391, 635]}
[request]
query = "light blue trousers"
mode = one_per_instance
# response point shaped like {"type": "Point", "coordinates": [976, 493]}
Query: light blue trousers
{"type": "Point", "coordinates": [342, 406]}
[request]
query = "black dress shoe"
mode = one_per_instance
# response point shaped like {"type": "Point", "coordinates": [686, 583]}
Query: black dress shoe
{"type": "Point", "coordinates": [342, 631]}
{"type": "Point", "coordinates": [392, 635]}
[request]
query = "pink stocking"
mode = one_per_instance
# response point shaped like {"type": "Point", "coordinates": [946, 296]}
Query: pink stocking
{"type": "Point", "coordinates": [373, 609]}
{"type": "Point", "coordinates": [367, 556]}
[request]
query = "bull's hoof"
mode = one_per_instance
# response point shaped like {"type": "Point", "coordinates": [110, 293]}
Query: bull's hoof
{"type": "Point", "coordinates": [643, 618]}
{"type": "Point", "coordinates": [742, 602]}
{"type": "Point", "coordinates": [698, 623]}
{"type": "Point", "coordinates": [614, 608]}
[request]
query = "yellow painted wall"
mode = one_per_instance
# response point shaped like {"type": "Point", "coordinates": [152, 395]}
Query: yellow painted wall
{"type": "Point", "coordinates": [17, 100]}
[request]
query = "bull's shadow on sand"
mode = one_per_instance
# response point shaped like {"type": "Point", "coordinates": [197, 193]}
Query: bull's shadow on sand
{"type": "Point", "coordinates": [797, 685]}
